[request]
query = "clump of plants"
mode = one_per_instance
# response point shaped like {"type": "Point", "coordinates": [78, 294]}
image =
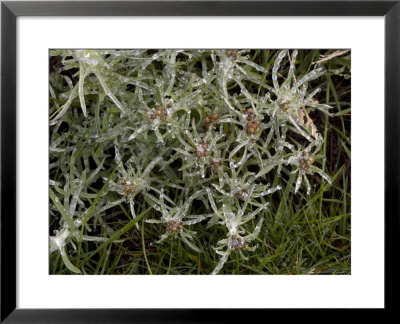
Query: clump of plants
{"type": "Point", "coordinates": [199, 161]}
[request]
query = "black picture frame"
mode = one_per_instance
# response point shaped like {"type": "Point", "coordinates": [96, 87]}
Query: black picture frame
{"type": "Point", "coordinates": [10, 10]}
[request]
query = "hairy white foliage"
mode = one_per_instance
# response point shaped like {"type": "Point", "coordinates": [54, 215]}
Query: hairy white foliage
{"type": "Point", "coordinates": [181, 131]}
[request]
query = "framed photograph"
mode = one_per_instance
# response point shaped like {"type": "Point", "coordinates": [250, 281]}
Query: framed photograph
{"type": "Point", "coordinates": [162, 158]}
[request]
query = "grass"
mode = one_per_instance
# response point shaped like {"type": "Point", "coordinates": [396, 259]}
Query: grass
{"type": "Point", "coordinates": [132, 190]}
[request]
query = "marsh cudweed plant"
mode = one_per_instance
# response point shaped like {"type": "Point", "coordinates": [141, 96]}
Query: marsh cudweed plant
{"type": "Point", "coordinates": [188, 159]}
